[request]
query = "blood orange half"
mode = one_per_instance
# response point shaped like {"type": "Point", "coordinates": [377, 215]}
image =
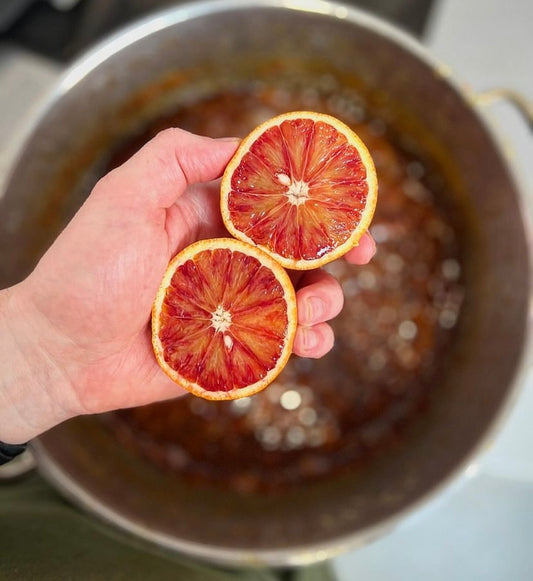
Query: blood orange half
{"type": "Point", "coordinates": [302, 186]}
{"type": "Point", "coordinates": [224, 319]}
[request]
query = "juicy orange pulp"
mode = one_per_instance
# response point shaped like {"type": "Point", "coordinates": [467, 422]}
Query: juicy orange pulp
{"type": "Point", "coordinates": [223, 321]}
{"type": "Point", "coordinates": [300, 188]}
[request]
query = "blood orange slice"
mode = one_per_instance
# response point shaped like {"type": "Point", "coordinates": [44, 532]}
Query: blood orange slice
{"type": "Point", "coordinates": [303, 187]}
{"type": "Point", "coordinates": [224, 319]}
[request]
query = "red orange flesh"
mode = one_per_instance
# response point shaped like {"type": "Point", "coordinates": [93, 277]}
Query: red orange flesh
{"type": "Point", "coordinates": [224, 319]}
{"type": "Point", "coordinates": [302, 187]}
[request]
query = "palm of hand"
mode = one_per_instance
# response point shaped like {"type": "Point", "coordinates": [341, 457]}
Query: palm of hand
{"type": "Point", "coordinates": [93, 290]}
{"type": "Point", "coordinates": [82, 341]}
{"type": "Point", "coordinates": [91, 295]}
{"type": "Point", "coordinates": [108, 286]}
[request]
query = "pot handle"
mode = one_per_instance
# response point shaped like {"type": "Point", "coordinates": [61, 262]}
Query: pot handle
{"type": "Point", "coordinates": [523, 105]}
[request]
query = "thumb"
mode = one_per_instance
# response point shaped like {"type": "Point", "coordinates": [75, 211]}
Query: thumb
{"type": "Point", "coordinates": [158, 174]}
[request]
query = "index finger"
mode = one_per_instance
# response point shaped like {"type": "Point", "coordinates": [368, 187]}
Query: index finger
{"type": "Point", "coordinates": [158, 174]}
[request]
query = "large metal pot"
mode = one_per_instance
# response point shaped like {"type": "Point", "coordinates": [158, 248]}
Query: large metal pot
{"type": "Point", "coordinates": [123, 81]}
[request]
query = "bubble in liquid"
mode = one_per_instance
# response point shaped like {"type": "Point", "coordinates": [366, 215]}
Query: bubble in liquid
{"type": "Point", "coordinates": [394, 263]}
{"type": "Point", "coordinates": [307, 416]}
{"type": "Point", "coordinates": [295, 437]}
{"type": "Point", "coordinates": [269, 437]}
{"type": "Point", "coordinates": [240, 406]}
{"type": "Point", "coordinates": [451, 269]}
{"type": "Point", "coordinates": [380, 233]}
{"type": "Point", "coordinates": [407, 330]}
{"type": "Point", "coordinates": [366, 279]}
{"type": "Point", "coordinates": [290, 400]}
{"type": "Point", "coordinates": [448, 318]}
{"type": "Point", "coordinates": [377, 360]}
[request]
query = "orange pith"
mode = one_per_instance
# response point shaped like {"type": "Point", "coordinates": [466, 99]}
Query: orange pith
{"type": "Point", "coordinates": [224, 319]}
{"type": "Point", "coordinates": [302, 187]}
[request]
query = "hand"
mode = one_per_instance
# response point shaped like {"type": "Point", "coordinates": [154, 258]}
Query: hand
{"type": "Point", "coordinates": [77, 329]}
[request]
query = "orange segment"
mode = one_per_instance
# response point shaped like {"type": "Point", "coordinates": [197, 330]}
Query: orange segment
{"type": "Point", "coordinates": [302, 187]}
{"type": "Point", "coordinates": [224, 319]}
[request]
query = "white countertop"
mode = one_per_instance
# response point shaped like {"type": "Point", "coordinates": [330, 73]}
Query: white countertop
{"type": "Point", "coordinates": [483, 529]}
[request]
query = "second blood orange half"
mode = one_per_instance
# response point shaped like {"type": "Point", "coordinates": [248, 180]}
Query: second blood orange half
{"type": "Point", "coordinates": [302, 187]}
{"type": "Point", "coordinates": [224, 319]}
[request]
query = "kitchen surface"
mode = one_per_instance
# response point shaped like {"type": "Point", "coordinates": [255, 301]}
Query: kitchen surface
{"type": "Point", "coordinates": [481, 527]}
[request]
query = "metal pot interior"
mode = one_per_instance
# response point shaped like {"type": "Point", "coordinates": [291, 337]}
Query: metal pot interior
{"type": "Point", "coordinates": [191, 51]}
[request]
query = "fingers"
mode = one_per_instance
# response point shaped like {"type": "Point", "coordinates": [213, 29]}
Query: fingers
{"type": "Point", "coordinates": [363, 252]}
{"type": "Point", "coordinates": [313, 341]}
{"type": "Point", "coordinates": [160, 171]}
{"type": "Point", "coordinates": [319, 299]}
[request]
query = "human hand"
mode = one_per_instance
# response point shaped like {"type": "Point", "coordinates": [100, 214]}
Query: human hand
{"type": "Point", "coordinates": [79, 323]}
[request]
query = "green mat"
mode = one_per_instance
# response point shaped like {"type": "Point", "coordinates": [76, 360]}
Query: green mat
{"type": "Point", "coordinates": [42, 537]}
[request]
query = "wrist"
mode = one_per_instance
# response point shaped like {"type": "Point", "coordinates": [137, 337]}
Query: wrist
{"type": "Point", "coordinates": [34, 390]}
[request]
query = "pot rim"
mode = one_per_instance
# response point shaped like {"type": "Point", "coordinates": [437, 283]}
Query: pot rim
{"type": "Point", "coordinates": [312, 553]}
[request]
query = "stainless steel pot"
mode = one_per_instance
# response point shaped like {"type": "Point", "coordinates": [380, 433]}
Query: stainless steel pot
{"type": "Point", "coordinates": [190, 49]}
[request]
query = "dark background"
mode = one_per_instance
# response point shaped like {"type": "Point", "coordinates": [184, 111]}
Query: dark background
{"type": "Point", "coordinates": [40, 26]}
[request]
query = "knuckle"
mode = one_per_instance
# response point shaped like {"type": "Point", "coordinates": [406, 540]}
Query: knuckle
{"type": "Point", "coordinates": [106, 184]}
{"type": "Point", "coordinates": [167, 136]}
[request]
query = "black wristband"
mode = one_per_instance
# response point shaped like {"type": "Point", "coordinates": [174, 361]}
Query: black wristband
{"type": "Point", "coordinates": [10, 451]}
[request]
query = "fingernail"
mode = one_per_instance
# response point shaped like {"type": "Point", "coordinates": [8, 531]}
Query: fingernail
{"type": "Point", "coordinates": [229, 139]}
{"type": "Point", "coordinates": [314, 308]}
{"type": "Point", "coordinates": [309, 339]}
